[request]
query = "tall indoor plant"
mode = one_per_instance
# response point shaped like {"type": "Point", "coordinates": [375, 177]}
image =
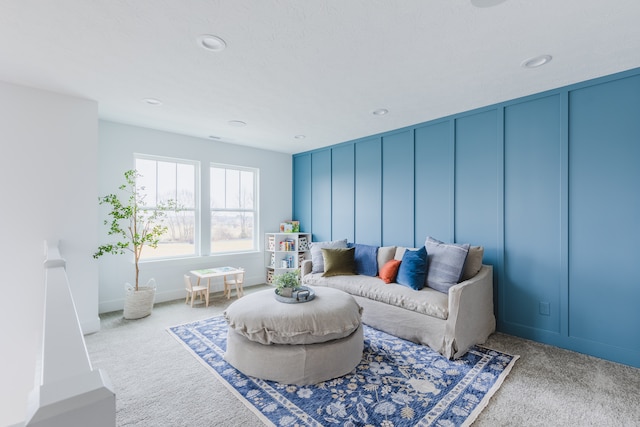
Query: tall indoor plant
{"type": "Point", "coordinates": [135, 227]}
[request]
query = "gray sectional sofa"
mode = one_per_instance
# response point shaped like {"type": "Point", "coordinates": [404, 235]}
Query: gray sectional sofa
{"type": "Point", "coordinates": [449, 323]}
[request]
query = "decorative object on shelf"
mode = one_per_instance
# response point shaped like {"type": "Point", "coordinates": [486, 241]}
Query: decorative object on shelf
{"type": "Point", "coordinates": [286, 282]}
{"type": "Point", "coordinates": [300, 295]}
{"type": "Point", "coordinates": [303, 243]}
{"type": "Point", "coordinates": [290, 227]}
{"type": "Point", "coordinates": [288, 245]}
{"type": "Point", "coordinates": [135, 228]}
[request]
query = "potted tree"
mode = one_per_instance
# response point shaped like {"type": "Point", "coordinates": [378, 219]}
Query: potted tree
{"type": "Point", "coordinates": [135, 227]}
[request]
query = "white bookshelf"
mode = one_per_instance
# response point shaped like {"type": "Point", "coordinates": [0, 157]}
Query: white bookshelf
{"type": "Point", "coordinates": [285, 252]}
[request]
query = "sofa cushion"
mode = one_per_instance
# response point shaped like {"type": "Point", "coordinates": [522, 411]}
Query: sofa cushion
{"type": "Point", "coordinates": [427, 301]}
{"type": "Point", "coordinates": [445, 263]}
{"type": "Point", "coordinates": [400, 250]}
{"type": "Point", "coordinates": [413, 269]}
{"type": "Point", "coordinates": [389, 271]}
{"type": "Point", "coordinates": [385, 254]}
{"type": "Point", "coordinates": [316, 252]}
{"type": "Point", "coordinates": [338, 261]}
{"type": "Point", "coordinates": [473, 263]}
{"type": "Point", "coordinates": [366, 259]}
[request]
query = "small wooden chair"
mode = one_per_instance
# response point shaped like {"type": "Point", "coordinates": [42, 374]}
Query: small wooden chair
{"type": "Point", "coordinates": [237, 280]}
{"type": "Point", "coordinates": [192, 291]}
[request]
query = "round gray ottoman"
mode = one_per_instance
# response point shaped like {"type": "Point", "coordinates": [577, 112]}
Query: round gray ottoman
{"type": "Point", "coordinates": [300, 344]}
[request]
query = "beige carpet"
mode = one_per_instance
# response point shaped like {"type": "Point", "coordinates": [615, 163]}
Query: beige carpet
{"type": "Point", "coordinates": [157, 383]}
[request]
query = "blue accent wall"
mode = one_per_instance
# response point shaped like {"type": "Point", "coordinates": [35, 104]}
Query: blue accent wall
{"type": "Point", "coordinates": [397, 189]}
{"type": "Point", "coordinates": [368, 195]}
{"type": "Point", "coordinates": [343, 205]}
{"type": "Point", "coordinates": [548, 184]}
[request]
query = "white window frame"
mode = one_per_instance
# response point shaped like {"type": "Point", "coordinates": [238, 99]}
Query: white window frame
{"type": "Point", "coordinates": [254, 210]}
{"type": "Point", "coordinates": [197, 232]}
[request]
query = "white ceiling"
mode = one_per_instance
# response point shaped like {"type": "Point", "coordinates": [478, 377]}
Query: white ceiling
{"type": "Point", "coordinates": [307, 67]}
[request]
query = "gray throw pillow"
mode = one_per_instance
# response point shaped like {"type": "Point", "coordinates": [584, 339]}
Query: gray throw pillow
{"type": "Point", "coordinates": [445, 263]}
{"type": "Point", "coordinates": [316, 253]}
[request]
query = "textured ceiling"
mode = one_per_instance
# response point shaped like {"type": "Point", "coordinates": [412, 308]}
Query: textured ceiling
{"type": "Point", "coordinates": [316, 68]}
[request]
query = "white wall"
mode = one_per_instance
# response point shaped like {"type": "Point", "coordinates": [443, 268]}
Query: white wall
{"type": "Point", "coordinates": [117, 145]}
{"type": "Point", "coordinates": [49, 188]}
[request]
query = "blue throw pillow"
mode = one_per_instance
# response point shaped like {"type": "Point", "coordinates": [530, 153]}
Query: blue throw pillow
{"type": "Point", "coordinates": [413, 269]}
{"type": "Point", "coordinates": [366, 259]}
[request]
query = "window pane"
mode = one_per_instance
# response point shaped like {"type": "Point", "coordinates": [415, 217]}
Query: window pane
{"type": "Point", "coordinates": [217, 188]}
{"type": "Point", "coordinates": [186, 186]}
{"type": "Point", "coordinates": [147, 181]}
{"type": "Point", "coordinates": [231, 231]}
{"type": "Point", "coordinates": [166, 181]}
{"type": "Point", "coordinates": [178, 240]}
{"type": "Point", "coordinates": [233, 189]}
{"type": "Point", "coordinates": [246, 190]}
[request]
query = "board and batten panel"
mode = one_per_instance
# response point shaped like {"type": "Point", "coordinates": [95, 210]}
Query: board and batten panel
{"type": "Point", "coordinates": [604, 215]}
{"type": "Point", "coordinates": [321, 195]}
{"type": "Point", "coordinates": [342, 192]}
{"type": "Point", "coordinates": [434, 182]}
{"type": "Point", "coordinates": [368, 223]}
{"type": "Point", "coordinates": [532, 214]}
{"type": "Point", "coordinates": [302, 191]}
{"type": "Point", "coordinates": [476, 194]}
{"type": "Point", "coordinates": [397, 189]}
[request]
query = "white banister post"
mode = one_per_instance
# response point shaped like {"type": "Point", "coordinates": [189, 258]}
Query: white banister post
{"type": "Point", "coordinates": [69, 391]}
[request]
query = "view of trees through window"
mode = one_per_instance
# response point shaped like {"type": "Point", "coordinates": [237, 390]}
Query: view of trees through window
{"type": "Point", "coordinates": [170, 185]}
{"type": "Point", "coordinates": [233, 209]}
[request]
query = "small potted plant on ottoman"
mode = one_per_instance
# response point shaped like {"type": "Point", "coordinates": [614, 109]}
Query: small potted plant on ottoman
{"type": "Point", "coordinates": [287, 282]}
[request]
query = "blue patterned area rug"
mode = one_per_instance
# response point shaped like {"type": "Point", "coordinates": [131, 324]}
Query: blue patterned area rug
{"type": "Point", "coordinates": [398, 383]}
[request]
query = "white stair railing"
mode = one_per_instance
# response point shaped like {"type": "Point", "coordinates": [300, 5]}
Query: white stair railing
{"type": "Point", "coordinates": [69, 392]}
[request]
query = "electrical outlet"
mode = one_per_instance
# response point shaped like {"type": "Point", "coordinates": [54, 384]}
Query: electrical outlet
{"type": "Point", "coordinates": [545, 308]}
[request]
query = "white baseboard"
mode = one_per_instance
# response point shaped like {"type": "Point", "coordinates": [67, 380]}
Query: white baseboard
{"type": "Point", "coordinates": [90, 326]}
{"type": "Point", "coordinates": [170, 295]}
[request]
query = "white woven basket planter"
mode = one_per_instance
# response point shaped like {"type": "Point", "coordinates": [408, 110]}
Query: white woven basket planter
{"type": "Point", "coordinates": [139, 304]}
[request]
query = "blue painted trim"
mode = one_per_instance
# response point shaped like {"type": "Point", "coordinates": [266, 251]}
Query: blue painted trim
{"type": "Point", "coordinates": [564, 212]}
{"type": "Point", "coordinates": [498, 290]}
{"type": "Point", "coordinates": [413, 137]}
{"type": "Point", "coordinates": [452, 178]}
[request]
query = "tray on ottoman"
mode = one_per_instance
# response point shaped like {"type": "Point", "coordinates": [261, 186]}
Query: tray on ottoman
{"type": "Point", "coordinates": [300, 295]}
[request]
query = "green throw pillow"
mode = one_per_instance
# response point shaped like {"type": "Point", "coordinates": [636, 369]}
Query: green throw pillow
{"type": "Point", "coordinates": [338, 261]}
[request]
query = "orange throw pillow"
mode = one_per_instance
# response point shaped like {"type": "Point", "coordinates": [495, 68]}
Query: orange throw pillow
{"type": "Point", "coordinates": [389, 271]}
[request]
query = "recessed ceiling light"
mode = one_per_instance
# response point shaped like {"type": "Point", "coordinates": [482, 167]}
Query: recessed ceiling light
{"type": "Point", "coordinates": [213, 43]}
{"type": "Point", "coordinates": [380, 112]}
{"type": "Point", "coordinates": [486, 3]}
{"type": "Point", "coordinates": [152, 101]}
{"type": "Point", "coordinates": [536, 62]}
{"type": "Point", "coordinates": [237, 123]}
{"type": "Point", "coordinates": [300, 137]}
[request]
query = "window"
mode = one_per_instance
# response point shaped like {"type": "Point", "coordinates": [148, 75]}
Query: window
{"type": "Point", "coordinates": [171, 184]}
{"type": "Point", "coordinates": [234, 209]}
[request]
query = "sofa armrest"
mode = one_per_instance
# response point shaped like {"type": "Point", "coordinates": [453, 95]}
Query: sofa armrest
{"type": "Point", "coordinates": [305, 267]}
{"type": "Point", "coordinates": [471, 319]}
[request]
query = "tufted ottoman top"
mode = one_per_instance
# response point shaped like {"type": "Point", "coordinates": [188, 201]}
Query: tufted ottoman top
{"type": "Point", "coordinates": [259, 317]}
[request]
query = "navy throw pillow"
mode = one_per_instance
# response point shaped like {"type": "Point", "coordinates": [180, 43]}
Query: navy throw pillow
{"type": "Point", "coordinates": [413, 269]}
{"type": "Point", "coordinates": [366, 259]}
